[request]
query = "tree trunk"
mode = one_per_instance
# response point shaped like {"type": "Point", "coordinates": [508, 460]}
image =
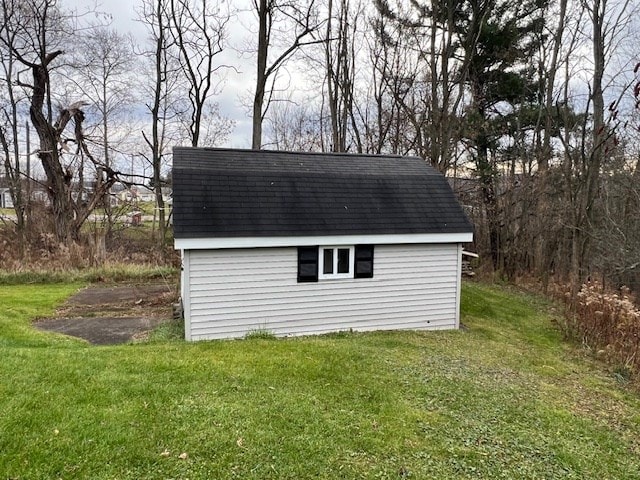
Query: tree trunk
{"type": "Point", "coordinates": [58, 181]}
{"type": "Point", "coordinates": [261, 81]}
{"type": "Point", "coordinates": [156, 140]}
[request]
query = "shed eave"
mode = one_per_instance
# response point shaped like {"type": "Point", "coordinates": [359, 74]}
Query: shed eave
{"type": "Point", "coordinates": [213, 243]}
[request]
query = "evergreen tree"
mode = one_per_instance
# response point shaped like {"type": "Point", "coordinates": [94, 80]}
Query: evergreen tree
{"type": "Point", "coordinates": [500, 38]}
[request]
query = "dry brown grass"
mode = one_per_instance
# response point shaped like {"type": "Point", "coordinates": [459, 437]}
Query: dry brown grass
{"type": "Point", "coordinates": [46, 253]}
{"type": "Point", "coordinates": [605, 321]}
{"type": "Point", "coordinates": [40, 251]}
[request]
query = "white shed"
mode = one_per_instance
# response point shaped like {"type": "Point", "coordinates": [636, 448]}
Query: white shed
{"type": "Point", "coordinates": [305, 243]}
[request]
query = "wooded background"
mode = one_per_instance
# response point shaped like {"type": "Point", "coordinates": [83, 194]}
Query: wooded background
{"type": "Point", "coordinates": [529, 107]}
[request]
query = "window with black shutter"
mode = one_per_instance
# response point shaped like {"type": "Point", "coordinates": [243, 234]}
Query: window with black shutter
{"type": "Point", "coordinates": [307, 264]}
{"type": "Point", "coordinates": [364, 261]}
{"type": "Point", "coordinates": [334, 263]}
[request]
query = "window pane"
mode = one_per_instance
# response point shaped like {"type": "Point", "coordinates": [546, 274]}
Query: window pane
{"type": "Point", "coordinates": [343, 260]}
{"type": "Point", "coordinates": [328, 260]}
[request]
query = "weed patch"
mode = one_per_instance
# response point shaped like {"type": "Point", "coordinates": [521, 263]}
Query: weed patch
{"type": "Point", "coordinates": [608, 324]}
{"type": "Point", "coordinates": [42, 252]}
{"type": "Point", "coordinates": [107, 273]}
{"type": "Point", "coordinates": [260, 335]}
{"type": "Point", "coordinates": [171, 331]}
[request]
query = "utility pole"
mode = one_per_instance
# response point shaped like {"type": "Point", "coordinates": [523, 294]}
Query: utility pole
{"type": "Point", "coordinates": [28, 190]}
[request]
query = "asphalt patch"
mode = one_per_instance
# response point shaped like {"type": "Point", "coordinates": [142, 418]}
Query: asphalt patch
{"type": "Point", "coordinates": [108, 315]}
{"type": "Point", "coordinates": [101, 330]}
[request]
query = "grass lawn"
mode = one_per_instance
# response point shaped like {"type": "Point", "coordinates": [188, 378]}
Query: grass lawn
{"type": "Point", "coordinates": [503, 398]}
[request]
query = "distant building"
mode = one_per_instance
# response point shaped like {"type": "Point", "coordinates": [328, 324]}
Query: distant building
{"type": "Point", "coordinates": [137, 193]}
{"type": "Point", "coordinates": [5, 198]}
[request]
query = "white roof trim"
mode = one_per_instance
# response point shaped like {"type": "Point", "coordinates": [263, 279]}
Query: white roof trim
{"type": "Point", "coordinates": [212, 243]}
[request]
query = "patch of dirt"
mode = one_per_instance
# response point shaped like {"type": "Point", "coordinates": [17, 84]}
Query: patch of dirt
{"type": "Point", "coordinates": [116, 314]}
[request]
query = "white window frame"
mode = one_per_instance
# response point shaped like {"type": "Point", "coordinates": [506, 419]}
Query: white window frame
{"type": "Point", "coordinates": [335, 275]}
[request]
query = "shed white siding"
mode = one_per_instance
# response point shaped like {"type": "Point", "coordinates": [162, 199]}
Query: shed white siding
{"type": "Point", "coordinates": [231, 292]}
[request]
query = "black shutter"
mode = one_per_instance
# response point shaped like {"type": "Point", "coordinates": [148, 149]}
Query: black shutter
{"type": "Point", "coordinates": [364, 261]}
{"type": "Point", "coordinates": [307, 264]}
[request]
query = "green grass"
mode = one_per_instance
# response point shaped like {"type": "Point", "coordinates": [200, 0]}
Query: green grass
{"type": "Point", "coordinates": [502, 398]}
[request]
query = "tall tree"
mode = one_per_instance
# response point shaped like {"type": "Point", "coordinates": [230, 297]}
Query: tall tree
{"type": "Point", "coordinates": [590, 143]}
{"type": "Point", "coordinates": [42, 28]}
{"type": "Point", "coordinates": [163, 77]}
{"type": "Point", "coordinates": [198, 30]}
{"type": "Point", "coordinates": [390, 65]}
{"type": "Point", "coordinates": [9, 108]}
{"type": "Point", "coordinates": [103, 70]}
{"type": "Point", "coordinates": [499, 37]}
{"type": "Point", "coordinates": [339, 44]}
{"type": "Point", "coordinates": [433, 78]}
{"type": "Point", "coordinates": [299, 22]}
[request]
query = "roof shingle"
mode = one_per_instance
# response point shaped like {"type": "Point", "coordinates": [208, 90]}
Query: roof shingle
{"type": "Point", "coordinates": [248, 193]}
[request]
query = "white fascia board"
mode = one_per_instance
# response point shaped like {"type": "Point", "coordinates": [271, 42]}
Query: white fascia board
{"type": "Point", "coordinates": [213, 243]}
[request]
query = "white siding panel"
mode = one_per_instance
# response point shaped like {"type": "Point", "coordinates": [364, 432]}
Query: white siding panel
{"type": "Point", "coordinates": [233, 292]}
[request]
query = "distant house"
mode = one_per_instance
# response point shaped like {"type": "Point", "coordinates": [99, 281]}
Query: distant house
{"type": "Point", "coordinates": [144, 194]}
{"type": "Point", "coordinates": [39, 194]}
{"type": "Point", "coordinates": [139, 193]}
{"type": "Point", "coordinates": [305, 243]}
{"type": "Point", "coordinates": [5, 198]}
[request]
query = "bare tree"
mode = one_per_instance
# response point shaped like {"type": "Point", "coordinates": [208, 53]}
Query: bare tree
{"type": "Point", "coordinates": [294, 127]}
{"type": "Point", "coordinates": [340, 59]}
{"type": "Point", "coordinates": [163, 82]}
{"type": "Point", "coordinates": [42, 28]}
{"type": "Point", "coordinates": [216, 127]}
{"type": "Point", "coordinates": [299, 21]}
{"type": "Point", "coordinates": [103, 69]}
{"type": "Point", "coordinates": [9, 133]}
{"type": "Point", "coordinates": [590, 136]}
{"type": "Point", "coordinates": [428, 82]}
{"type": "Point", "coordinates": [198, 30]}
{"type": "Point", "coordinates": [550, 72]}
{"type": "Point", "coordinates": [376, 110]}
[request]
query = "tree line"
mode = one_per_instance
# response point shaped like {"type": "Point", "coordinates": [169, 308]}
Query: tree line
{"type": "Point", "coordinates": [529, 107]}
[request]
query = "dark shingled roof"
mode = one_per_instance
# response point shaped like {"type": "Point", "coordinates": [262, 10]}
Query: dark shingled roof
{"type": "Point", "coordinates": [248, 193]}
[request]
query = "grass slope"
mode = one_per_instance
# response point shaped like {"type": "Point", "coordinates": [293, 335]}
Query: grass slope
{"type": "Point", "coordinates": [503, 398]}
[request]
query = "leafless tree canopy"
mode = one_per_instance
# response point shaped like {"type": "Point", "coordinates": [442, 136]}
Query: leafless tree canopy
{"type": "Point", "coordinates": [530, 107]}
